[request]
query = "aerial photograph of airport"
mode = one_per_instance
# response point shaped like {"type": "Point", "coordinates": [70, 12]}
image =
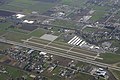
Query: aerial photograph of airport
{"type": "Point", "coordinates": [59, 39]}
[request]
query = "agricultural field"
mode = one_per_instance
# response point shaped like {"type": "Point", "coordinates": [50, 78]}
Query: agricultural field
{"type": "Point", "coordinates": [90, 29]}
{"type": "Point", "coordinates": [54, 75]}
{"type": "Point", "coordinates": [38, 32]}
{"type": "Point", "coordinates": [15, 36]}
{"type": "Point", "coordinates": [99, 12]}
{"type": "Point", "coordinates": [4, 46]}
{"type": "Point", "coordinates": [13, 73]}
{"type": "Point", "coordinates": [27, 6]}
{"type": "Point", "coordinates": [97, 15]}
{"type": "Point", "coordinates": [65, 32]}
{"type": "Point", "coordinates": [2, 32]}
{"type": "Point", "coordinates": [4, 26]}
{"type": "Point", "coordinates": [75, 3]}
{"type": "Point", "coordinates": [64, 23]}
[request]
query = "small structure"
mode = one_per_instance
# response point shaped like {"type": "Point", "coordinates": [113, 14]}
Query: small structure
{"type": "Point", "coordinates": [32, 76]}
{"type": "Point", "coordinates": [61, 14]}
{"type": "Point", "coordinates": [101, 72]}
{"type": "Point", "coordinates": [27, 21]}
{"type": "Point", "coordinates": [86, 18]}
{"type": "Point", "coordinates": [19, 16]}
{"type": "Point", "coordinates": [42, 53]}
{"type": "Point", "coordinates": [30, 51]}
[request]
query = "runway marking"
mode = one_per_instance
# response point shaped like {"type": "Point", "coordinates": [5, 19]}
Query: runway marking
{"type": "Point", "coordinates": [27, 39]}
{"type": "Point", "coordinates": [87, 56]}
{"type": "Point", "coordinates": [70, 49]}
{"type": "Point", "coordinates": [98, 56]}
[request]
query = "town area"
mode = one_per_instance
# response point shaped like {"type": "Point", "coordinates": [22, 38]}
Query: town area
{"type": "Point", "coordinates": [59, 40]}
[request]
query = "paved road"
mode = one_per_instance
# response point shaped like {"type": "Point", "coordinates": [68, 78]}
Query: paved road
{"type": "Point", "coordinates": [88, 52]}
{"type": "Point", "coordinates": [62, 54]}
{"type": "Point", "coordinates": [76, 53]}
{"type": "Point", "coordinates": [112, 15]}
{"type": "Point", "coordinates": [11, 11]}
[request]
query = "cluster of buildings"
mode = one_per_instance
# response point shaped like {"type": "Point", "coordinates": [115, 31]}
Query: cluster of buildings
{"type": "Point", "coordinates": [59, 11]}
{"type": "Point", "coordinates": [77, 41]}
{"type": "Point", "coordinates": [36, 61]}
{"type": "Point", "coordinates": [100, 72]}
{"type": "Point", "coordinates": [39, 62]}
{"type": "Point", "coordinates": [20, 16]}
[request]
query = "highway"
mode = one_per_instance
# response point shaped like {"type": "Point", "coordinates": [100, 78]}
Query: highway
{"type": "Point", "coordinates": [100, 64]}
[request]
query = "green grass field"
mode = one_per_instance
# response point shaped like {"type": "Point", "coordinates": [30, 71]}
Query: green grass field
{"type": "Point", "coordinates": [27, 6]}
{"type": "Point", "coordinates": [90, 29]}
{"type": "Point", "coordinates": [75, 3]}
{"type": "Point", "coordinates": [38, 32]}
{"type": "Point", "coordinates": [116, 43]}
{"type": "Point", "coordinates": [97, 15]}
{"type": "Point", "coordinates": [116, 73]}
{"type": "Point", "coordinates": [100, 11]}
{"type": "Point", "coordinates": [110, 58]}
{"type": "Point", "coordinates": [4, 46]}
{"type": "Point", "coordinates": [15, 36]}
{"type": "Point", "coordinates": [4, 26]}
{"type": "Point", "coordinates": [2, 32]}
{"type": "Point", "coordinates": [83, 76]}
{"type": "Point", "coordinates": [18, 34]}
{"type": "Point", "coordinates": [54, 75]}
{"type": "Point", "coordinates": [17, 30]}
{"type": "Point", "coordinates": [64, 23]}
{"type": "Point", "coordinates": [13, 73]}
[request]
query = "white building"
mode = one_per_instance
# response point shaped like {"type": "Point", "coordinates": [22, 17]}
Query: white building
{"type": "Point", "coordinates": [27, 21]}
{"type": "Point", "coordinates": [19, 16]}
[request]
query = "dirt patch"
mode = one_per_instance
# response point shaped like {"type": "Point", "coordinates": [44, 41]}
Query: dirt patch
{"type": "Point", "coordinates": [6, 13]}
{"type": "Point", "coordinates": [62, 61]}
{"type": "Point", "coordinates": [28, 27]}
{"type": "Point", "coordinates": [48, 13]}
